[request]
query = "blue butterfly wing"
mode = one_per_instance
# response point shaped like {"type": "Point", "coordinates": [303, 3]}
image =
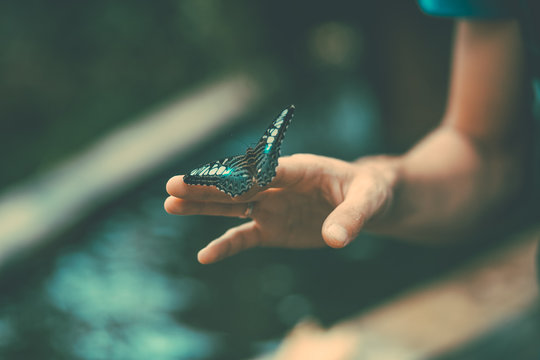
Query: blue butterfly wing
{"type": "Point", "coordinates": [234, 175]}
{"type": "Point", "coordinates": [230, 175]}
{"type": "Point", "coordinates": [267, 150]}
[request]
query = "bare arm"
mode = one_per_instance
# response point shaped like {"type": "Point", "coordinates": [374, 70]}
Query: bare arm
{"type": "Point", "coordinates": [442, 188]}
{"type": "Point", "coordinates": [473, 162]}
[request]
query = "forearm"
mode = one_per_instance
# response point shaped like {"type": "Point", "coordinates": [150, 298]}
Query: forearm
{"type": "Point", "coordinates": [467, 169]}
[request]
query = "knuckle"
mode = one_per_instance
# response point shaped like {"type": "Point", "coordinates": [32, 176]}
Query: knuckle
{"type": "Point", "coordinates": [242, 242]}
{"type": "Point", "coordinates": [228, 250]}
{"type": "Point", "coordinates": [229, 232]}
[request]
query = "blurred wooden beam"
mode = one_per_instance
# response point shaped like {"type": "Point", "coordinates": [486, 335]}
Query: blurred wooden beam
{"type": "Point", "coordinates": [43, 207]}
{"type": "Point", "coordinates": [436, 319]}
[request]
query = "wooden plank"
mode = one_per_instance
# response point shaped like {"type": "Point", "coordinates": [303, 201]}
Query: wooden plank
{"type": "Point", "coordinates": [436, 319]}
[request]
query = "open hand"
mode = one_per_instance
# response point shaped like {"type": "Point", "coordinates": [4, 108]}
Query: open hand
{"type": "Point", "coordinates": [313, 200]}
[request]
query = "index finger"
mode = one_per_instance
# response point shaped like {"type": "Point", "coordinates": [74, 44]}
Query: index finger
{"type": "Point", "coordinates": [290, 171]}
{"type": "Point", "coordinates": [178, 188]}
{"type": "Point", "coordinates": [293, 169]}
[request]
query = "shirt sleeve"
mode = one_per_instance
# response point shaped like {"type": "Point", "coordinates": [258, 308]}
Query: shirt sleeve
{"type": "Point", "coordinates": [470, 8]}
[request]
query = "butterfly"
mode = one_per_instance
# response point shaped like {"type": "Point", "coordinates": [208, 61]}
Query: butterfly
{"type": "Point", "coordinates": [236, 174]}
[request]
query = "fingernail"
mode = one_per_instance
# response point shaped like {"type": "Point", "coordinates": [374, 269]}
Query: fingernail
{"type": "Point", "coordinates": [338, 233]}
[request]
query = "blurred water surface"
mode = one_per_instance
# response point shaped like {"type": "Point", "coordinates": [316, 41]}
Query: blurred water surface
{"type": "Point", "coordinates": [126, 284]}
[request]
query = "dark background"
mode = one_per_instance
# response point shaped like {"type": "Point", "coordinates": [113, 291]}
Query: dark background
{"type": "Point", "coordinates": [366, 77]}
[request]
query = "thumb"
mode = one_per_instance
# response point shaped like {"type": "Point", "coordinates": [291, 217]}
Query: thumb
{"type": "Point", "coordinates": [362, 202]}
{"type": "Point", "coordinates": [343, 224]}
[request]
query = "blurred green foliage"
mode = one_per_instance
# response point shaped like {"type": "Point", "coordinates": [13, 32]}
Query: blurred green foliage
{"type": "Point", "coordinates": [72, 71]}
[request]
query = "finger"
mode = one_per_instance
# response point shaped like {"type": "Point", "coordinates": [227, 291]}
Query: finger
{"type": "Point", "coordinates": [297, 168]}
{"type": "Point", "coordinates": [237, 239]}
{"type": "Point", "coordinates": [176, 206]}
{"type": "Point", "coordinates": [290, 170]}
{"type": "Point", "coordinates": [178, 188]}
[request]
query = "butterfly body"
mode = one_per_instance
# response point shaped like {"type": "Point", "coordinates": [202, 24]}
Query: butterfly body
{"type": "Point", "coordinates": [235, 175]}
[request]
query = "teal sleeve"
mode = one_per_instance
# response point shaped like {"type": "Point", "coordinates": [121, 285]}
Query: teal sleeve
{"type": "Point", "coordinates": [470, 8]}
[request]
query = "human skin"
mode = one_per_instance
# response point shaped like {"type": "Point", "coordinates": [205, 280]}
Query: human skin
{"type": "Point", "coordinates": [443, 189]}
